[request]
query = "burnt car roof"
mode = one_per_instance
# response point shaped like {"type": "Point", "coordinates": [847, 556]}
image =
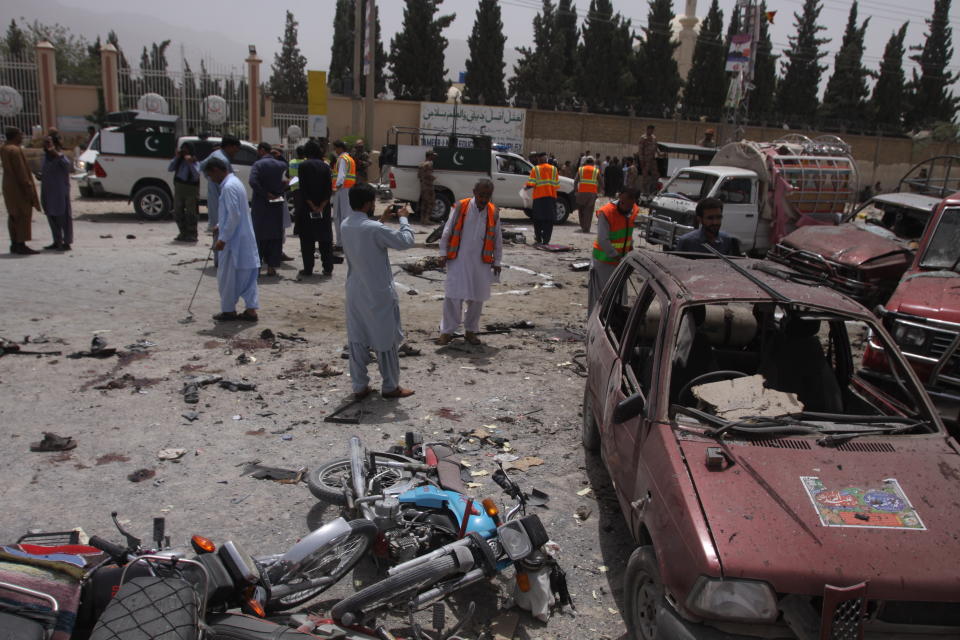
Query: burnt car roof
{"type": "Point", "coordinates": [917, 201]}
{"type": "Point", "coordinates": [707, 279]}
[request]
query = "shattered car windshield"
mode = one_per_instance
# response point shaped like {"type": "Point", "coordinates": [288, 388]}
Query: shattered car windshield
{"type": "Point", "coordinates": [777, 369]}
{"type": "Point", "coordinates": [691, 185]}
{"type": "Point", "coordinates": [944, 249]}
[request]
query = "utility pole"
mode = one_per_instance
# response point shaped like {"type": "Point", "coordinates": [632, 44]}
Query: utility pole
{"type": "Point", "coordinates": [357, 37]}
{"type": "Point", "coordinates": [370, 69]}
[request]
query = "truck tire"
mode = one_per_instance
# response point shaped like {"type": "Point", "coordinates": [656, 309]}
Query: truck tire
{"type": "Point", "coordinates": [563, 208]}
{"type": "Point", "coordinates": [441, 207]}
{"type": "Point", "coordinates": [152, 202]}
{"type": "Point", "coordinates": [150, 608]}
{"type": "Point", "coordinates": [643, 593]}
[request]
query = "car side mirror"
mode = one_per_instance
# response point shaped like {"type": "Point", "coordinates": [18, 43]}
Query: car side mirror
{"type": "Point", "coordinates": [629, 408]}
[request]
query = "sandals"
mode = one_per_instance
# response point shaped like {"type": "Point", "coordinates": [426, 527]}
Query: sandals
{"type": "Point", "coordinates": [399, 392]}
{"type": "Point", "coordinates": [53, 442]}
{"type": "Point", "coordinates": [247, 316]}
{"type": "Point", "coordinates": [226, 316]}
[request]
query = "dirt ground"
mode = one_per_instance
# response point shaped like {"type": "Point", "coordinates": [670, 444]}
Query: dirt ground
{"type": "Point", "coordinates": [126, 281]}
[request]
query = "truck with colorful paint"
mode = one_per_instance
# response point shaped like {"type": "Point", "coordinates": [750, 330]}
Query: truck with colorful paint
{"type": "Point", "coordinates": [768, 189]}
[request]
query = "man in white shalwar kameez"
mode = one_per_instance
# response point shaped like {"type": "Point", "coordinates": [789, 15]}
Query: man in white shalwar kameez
{"type": "Point", "coordinates": [471, 247]}
{"type": "Point", "coordinates": [373, 310]}
{"type": "Point", "coordinates": [239, 261]}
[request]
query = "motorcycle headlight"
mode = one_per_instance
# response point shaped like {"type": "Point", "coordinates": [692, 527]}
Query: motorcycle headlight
{"type": "Point", "coordinates": [908, 335]}
{"type": "Point", "coordinates": [733, 600]}
{"type": "Point", "coordinates": [514, 540]}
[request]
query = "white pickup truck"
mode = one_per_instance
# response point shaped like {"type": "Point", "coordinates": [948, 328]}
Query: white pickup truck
{"type": "Point", "coordinates": [131, 161]}
{"type": "Point", "coordinates": [457, 170]}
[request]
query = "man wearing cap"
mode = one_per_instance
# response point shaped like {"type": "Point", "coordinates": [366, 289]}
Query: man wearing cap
{"type": "Point", "coordinates": [708, 138]}
{"type": "Point", "coordinates": [428, 197]}
{"type": "Point", "coordinates": [544, 180]}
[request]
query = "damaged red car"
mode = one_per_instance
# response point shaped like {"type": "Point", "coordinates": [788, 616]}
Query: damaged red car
{"type": "Point", "coordinates": [772, 491]}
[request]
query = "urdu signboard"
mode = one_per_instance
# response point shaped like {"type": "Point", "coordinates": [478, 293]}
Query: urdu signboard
{"type": "Point", "coordinates": [504, 125]}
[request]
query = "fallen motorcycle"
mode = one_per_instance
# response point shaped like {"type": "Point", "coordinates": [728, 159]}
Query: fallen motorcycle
{"type": "Point", "coordinates": [480, 552]}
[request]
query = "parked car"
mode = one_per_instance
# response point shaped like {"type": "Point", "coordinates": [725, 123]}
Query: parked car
{"type": "Point", "coordinates": [866, 255]}
{"type": "Point", "coordinates": [923, 314]}
{"type": "Point", "coordinates": [815, 504]}
{"type": "Point", "coordinates": [457, 169]}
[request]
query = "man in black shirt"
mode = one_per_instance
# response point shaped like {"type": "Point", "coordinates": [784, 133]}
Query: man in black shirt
{"type": "Point", "coordinates": [313, 210]}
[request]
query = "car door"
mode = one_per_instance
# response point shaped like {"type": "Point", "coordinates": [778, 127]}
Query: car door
{"type": "Point", "coordinates": [635, 372]}
{"type": "Point", "coordinates": [509, 177]}
{"type": "Point", "coordinates": [740, 214]}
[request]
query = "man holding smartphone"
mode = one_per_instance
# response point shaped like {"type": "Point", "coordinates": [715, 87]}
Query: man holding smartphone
{"type": "Point", "coordinates": [313, 211]}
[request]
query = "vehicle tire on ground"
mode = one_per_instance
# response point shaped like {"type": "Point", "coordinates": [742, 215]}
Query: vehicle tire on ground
{"type": "Point", "coordinates": [590, 433]}
{"type": "Point", "coordinates": [396, 589]}
{"type": "Point", "coordinates": [643, 594]}
{"type": "Point", "coordinates": [150, 608]}
{"type": "Point", "coordinates": [335, 562]}
{"type": "Point", "coordinates": [152, 202]}
{"type": "Point", "coordinates": [563, 208]}
{"type": "Point", "coordinates": [85, 192]}
{"type": "Point", "coordinates": [441, 206]}
{"type": "Point", "coordinates": [326, 482]}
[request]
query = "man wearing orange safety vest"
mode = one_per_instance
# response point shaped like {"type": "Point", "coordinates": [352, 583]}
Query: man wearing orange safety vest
{"type": "Point", "coordinates": [615, 223]}
{"type": "Point", "coordinates": [344, 177]}
{"type": "Point", "coordinates": [544, 180]}
{"type": "Point", "coordinates": [471, 247]}
{"type": "Point", "coordinates": [587, 184]}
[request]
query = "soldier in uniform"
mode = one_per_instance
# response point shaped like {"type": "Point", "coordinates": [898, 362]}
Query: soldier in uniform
{"type": "Point", "coordinates": [427, 197]}
{"type": "Point", "coordinates": [362, 158]}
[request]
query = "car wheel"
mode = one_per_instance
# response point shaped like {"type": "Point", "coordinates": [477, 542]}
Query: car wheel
{"type": "Point", "coordinates": [643, 594]}
{"type": "Point", "coordinates": [152, 203]}
{"type": "Point", "coordinates": [441, 207]}
{"type": "Point", "coordinates": [591, 433]}
{"type": "Point", "coordinates": [562, 209]}
{"type": "Point", "coordinates": [85, 192]}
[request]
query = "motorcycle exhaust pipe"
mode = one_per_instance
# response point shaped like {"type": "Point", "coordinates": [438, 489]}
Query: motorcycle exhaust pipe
{"type": "Point", "coordinates": [442, 551]}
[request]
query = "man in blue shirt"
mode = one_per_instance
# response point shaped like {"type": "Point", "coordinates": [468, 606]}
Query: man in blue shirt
{"type": "Point", "coordinates": [709, 218]}
{"type": "Point", "coordinates": [186, 192]}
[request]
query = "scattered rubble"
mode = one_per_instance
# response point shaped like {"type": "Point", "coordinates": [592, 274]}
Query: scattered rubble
{"type": "Point", "coordinates": [141, 474]}
{"type": "Point", "coordinates": [98, 349]}
{"type": "Point", "coordinates": [53, 442]}
{"type": "Point", "coordinates": [261, 472]}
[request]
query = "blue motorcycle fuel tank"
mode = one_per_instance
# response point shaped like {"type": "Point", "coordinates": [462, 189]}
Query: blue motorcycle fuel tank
{"type": "Point", "coordinates": [431, 497]}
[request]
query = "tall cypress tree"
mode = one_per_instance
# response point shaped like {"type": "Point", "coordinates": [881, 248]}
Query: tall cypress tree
{"type": "Point", "coordinates": [888, 101]}
{"type": "Point", "coordinates": [535, 79]}
{"type": "Point", "coordinates": [931, 99]}
{"type": "Point", "coordinates": [847, 91]}
{"type": "Point", "coordinates": [706, 81]}
{"type": "Point", "coordinates": [764, 72]}
{"type": "Point", "coordinates": [567, 29]}
{"type": "Point", "coordinates": [417, 53]}
{"type": "Point", "coordinates": [797, 91]}
{"type": "Point", "coordinates": [485, 77]}
{"type": "Point", "coordinates": [15, 44]}
{"type": "Point", "coordinates": [288, 79]}
{"type": "Point", "coordinates": [340, 75]}
{"type": "Point", "coordinates": [604, 57]}
{"type": "Point", "coordinates": [658, 78]}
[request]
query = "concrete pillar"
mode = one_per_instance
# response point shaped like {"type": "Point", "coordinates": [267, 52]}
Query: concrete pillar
{"type": "Point", "coordinates": [253, 95]}
{"type": "Point", "coordinates": [109, 77]}
{"type": "Point", "coordinates": [46, 82]}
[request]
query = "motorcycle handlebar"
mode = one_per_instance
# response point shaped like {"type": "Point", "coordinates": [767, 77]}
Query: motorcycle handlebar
{"type": "Point", "coordinates": [112, 549]}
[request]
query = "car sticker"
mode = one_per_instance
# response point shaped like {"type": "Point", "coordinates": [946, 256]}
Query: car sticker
{"type": "Point", "coordinates": [870, 507]}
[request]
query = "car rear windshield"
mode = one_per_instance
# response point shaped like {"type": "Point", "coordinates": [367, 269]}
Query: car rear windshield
{"type": "Point", "coordinates": [691, 185]}
{"type": "Point", "coordinates": [943, 252]}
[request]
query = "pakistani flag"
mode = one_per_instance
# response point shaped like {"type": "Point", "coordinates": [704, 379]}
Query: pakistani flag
{"type": "Point", "coordinates": [455, 159]}
{"type": "Point", "coordinates": [150, 144]}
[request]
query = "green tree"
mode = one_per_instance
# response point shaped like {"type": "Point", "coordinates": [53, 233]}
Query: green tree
{"type": "Point", "coordinates": [797, 91]}
{"type": "Point", "coordinates": [658, 80]}
{"type": "Point", "coordinates": [706, 82]}
{"type": "Point", "coordinates": [535, 78]}
{"type": "Point", "coordinates": [340, 75]}
{"type": "Point", "coordinates": [847, 92]}
{"type": "Point", "coordinates": [764, 72]}
{"type": "Point", "coordinates": [417, 52]}
{"type": "Point", "coordinates": [605, 56]}
{"type": "Point", "coordinates": [288, 78]}
{"type": "Point", "coordinates": [888, 101]}
{"type": "Point", "coordinates": [567, 30]}
{"type": "Point", "coordinates": [930, 98]}
{"type": "Point", "coordinates": [485, 77]}
{"type": "Point", "coordinates": [71, 51]}
{"type": "Point", "coordinates": [16, 43]}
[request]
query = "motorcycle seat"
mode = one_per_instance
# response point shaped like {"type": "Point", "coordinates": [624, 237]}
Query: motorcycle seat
{"type": "Point", "coordinates": [448, 469]}
{"type": "Point", "coordinates": [18, 628]}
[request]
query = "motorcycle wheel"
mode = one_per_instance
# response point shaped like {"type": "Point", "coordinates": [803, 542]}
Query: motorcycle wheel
{"type": "Point", "coordinates": [327, 481]}
{"type": "Point", "coordinates": [150, 607]}
{"type": "Point", "coordinates": [393, 591]}
{"type": "Point", "coordinates": [334, 562]}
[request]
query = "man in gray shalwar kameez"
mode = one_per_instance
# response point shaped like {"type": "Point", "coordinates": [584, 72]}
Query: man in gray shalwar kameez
{"type": "Point", "coordinates": [55, 193]}
{"type": "Point", "coordinates": [373, 310]}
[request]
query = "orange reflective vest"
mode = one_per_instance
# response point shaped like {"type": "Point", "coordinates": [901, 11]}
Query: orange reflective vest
{"type": "Point", "coordinates": [489, 237]}
{"type": "Point", "coordinates": [589, 179]}
{"type": "Point", "coordinates": [621, 232]}
{"type": "Point", "coordinates": [545, 179]}
{"type": "Point", "coordinates": [350, 178]}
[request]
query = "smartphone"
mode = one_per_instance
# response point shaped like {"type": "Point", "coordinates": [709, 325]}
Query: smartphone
{"type": "Point", "coordinates": [394, 208]}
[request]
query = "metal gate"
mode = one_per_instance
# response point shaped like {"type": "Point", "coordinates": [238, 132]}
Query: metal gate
{"type": "Point", "coordinates": [20, 72]}
{"type": "Point", "coordinates": [185, 93]}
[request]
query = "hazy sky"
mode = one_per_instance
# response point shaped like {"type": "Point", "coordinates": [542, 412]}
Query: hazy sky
{"type": "Point", "coordinates": [220, 31]}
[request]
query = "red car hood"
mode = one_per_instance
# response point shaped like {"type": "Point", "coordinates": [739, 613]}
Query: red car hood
{"type": "Point", "coordinates": [846, 243]}
{"type": "Point", "coordinates": [783, 541]}
{"type": "Point", "coordinates": [928, 296]}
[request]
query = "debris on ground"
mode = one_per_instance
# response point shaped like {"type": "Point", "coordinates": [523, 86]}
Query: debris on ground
{"type": "Point", "coordinates": [418, 266]}
{"type": "Point", "coordinates": [53, 442]}
{"type": "Point", "coordinates": [107, 458]}
{"type": "Point", "coordinates": [171, 454]}
{"type": "Point", "coordinates": [267, 334]}
{"type": "Point", "coordinates": [106, 235]}
{"type": "Point", "coordinates": [582, 513]}
{"type": "Point", "coordinates": [513, 236]}
{"type": "Point", "coordinates": [524, 463]}
{"type": "Point", "coordinates": [580, 266]}
{"type": "Point", "coordinates": [326, 371]}
{"type": "Point", "coordinates": [130, 236]}
{"type": "Point", "coordinates": [407, 349]}
{"type": "Point", "coordinates": [495, 327]}
{"type": "Point", "coordinates": [141, 474]}
{"type": "Point", "coordinates": [191, 392]}
{"type": "Point", "coordinates": [261, 472]}
{"type": "Point", "coordinates": [291, 337]}
{"type": "Point", "coordinates": [554, 248]}
{"type": "Point", "coordinates": [98, 349]}
{"type": "Point", "coordinates": [231, 385]}
{"type": "Point", "coordinates": [245, 359]}
{"type": "Point", "coordinates": [190, 415]}
{"type": "Point", "coordinates": [584, 491]}
{"type": "Point", "coordinates": [449, 414]}
{"type": "Point", "coordinates": [11, 348]}
{"type": "Point", "coordinates": [140, 346]}
{"type": "Point", "coordinates": [742, 397]}
{"type": "Point", "coordinates": [127, 380]}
